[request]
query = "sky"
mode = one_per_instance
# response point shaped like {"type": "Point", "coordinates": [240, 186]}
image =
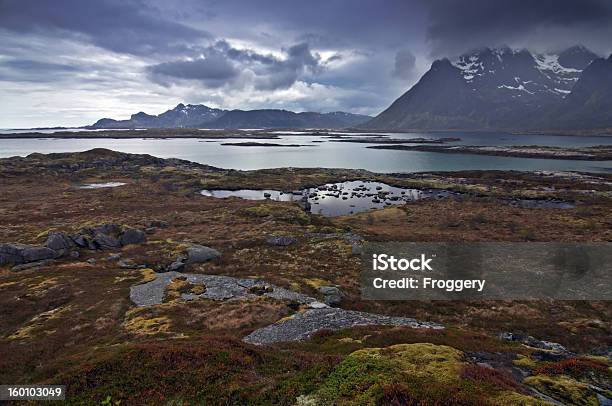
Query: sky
{"type": "Point", "coordinates": [72, 62]}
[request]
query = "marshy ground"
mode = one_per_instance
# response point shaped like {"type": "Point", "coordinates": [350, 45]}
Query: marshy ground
{"type": "Point", "coordinates": [71, 321]}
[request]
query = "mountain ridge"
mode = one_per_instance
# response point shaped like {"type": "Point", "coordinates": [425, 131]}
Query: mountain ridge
{"type": "Point", "coordinates": [505, 89]}
{"type": "Point", "coordinates": [201, 116]}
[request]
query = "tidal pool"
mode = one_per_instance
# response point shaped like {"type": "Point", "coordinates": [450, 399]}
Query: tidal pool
{"type": "Point", "coordinates": [341, 199]}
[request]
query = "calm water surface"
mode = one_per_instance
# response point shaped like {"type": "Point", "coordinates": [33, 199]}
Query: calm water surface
{"type": "Point", "coordinates": [326, 153]}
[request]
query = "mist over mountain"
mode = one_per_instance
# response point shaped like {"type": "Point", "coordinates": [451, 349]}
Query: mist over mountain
{"type": "Point", "coordinates": [502, 88]}
{"type": "Point", "coordinates": [200, 116]}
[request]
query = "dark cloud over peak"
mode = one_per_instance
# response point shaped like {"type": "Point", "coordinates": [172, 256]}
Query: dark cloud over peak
{"type": "Point", "coordinates": [405, 62]}
{"type": "Point", "coordinates": [457, 26]}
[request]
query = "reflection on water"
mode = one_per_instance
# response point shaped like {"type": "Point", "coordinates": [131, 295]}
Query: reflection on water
{"type": "Point", "coordinates": [340, 199]}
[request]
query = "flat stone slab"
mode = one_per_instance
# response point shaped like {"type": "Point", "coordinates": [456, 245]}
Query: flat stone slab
{"type": "Point", "coordinates": [303, 325]}
{"type": "Point", "coordinates": [217, 288]}
{"type": "Point", "coordinates": [300, 326]}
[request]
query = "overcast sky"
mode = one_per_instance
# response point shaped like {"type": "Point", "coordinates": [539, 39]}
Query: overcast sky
{"type": "Point", "coordinates": [71, 62]}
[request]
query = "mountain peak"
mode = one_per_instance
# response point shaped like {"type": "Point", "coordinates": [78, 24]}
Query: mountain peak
{"type": "Point", "coordinates": [577, 57]}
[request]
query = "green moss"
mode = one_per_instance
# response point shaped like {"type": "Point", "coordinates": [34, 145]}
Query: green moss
{"type": "Point", "coordinates": [278, 211]}
{"type": "Point", "coordinates": [509, 398]}
{"type": "Point", "coordinates": [361, 377]}
{"type": "Point", "coordinates": [564, 388]}
{"type": "Point", "coordinates": [524, 361]}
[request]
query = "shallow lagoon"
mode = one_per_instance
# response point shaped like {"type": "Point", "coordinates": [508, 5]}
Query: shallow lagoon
{"type": "Point", "coordinates": [326, 153]}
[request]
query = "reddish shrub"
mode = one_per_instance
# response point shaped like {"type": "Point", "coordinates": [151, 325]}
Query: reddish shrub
{"type": "Point", "coordinates": [489, 376]}
{"type": "Point", "coordinates": [575, 367]}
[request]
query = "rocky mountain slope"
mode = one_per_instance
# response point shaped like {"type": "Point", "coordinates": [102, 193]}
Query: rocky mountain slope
{"type": "Point", "coordinates": [200, 116]}
{"type": "Point", "coordinates": [507, 89]}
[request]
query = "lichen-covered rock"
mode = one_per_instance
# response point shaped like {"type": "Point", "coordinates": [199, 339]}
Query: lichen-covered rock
{"type": "Point", "coordinates": [198, 253]}
{"type": "Point", "coordinates": [132, 236]}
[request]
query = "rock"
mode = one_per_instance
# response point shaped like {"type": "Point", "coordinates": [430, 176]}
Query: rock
{"type": "Point", "coordinates": [59, 242]}
{"type": "Point", "coordinates": [80, 241]}
{"type": "Point", "coordinates": [114, 256]}
{"type": "Point", "coordinates": [549, 356]}
{"type": "Point", "coordinates": [108, 229]}
{"type": "Point", "coordinates": [91, 261]}
{"type": "Point", "coordinates": [105, 241]}
{"type": "Point", "coordinates": [31, 265]}
{"type": "Point", "coordinates": [199, 253]}
{"type": "Point", "coordinates": [32, 254]}
{"type": "Point", "coordinates": [150, 230]}
{"type": "Point", "coordinates": [176, 266]}
{"type": "Point", "coordinates": [281, 241]}
{"type": "Point", "coordinates": [356, 249]}
{"type": "Point", "coordinates": [127, 264]}
{"type": "Point", "coordinates": [157, 224]}
{"type": "Point", "coordinates": [132, 236]}
{"type": "Point", "coordinates": [74, 254]}
{"type": "Point", "coordinates": [10, 254]}
{"type": "Point", "coordinates": [332, 295]}
{"type": "Point", "coordinates": [532, 342]}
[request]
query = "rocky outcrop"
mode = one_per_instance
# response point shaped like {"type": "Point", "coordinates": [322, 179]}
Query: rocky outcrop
{"type": "Point", "coordinates": [303, 325]}
{"type": "Point", "coordinates": [58, 244]}
{"type": "Point", "coordinates": [315, 316]}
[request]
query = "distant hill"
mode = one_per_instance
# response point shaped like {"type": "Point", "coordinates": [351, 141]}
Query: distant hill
{"type": "Point", "coordinates": [504, 89]}
{"type": "Point", "coordinates": [286, 119]}
{"type": "Point", "coordinates": [200, 116]}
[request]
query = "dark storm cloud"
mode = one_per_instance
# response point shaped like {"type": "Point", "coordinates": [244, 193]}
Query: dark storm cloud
{"type": "Point", "coordinates": [121, 26]}
{"type": "Point", "coordinates": [456, 26]}
{"type": "Point", "coordinates": [26, 70]}
{"type": "Point", "coordinates": [221, 64]}
{"type": "Point", "coordinates": [405, 62]}
{"type": "Point", "coordinates": [214, 70]}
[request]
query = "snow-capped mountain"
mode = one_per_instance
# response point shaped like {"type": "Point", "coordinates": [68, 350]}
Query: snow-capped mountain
{"type": "Point", "coordinates": [489, 89]}
{"type": "Point", "coordinates": [200, 116]}
{"type": "Point", "coordinates": [182, 116]}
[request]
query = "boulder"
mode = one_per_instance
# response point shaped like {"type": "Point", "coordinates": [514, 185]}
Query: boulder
{"type": "Point", "coordinates": [108, 229]}
{"type": "Point", "coordinates": [199, 253]}
{"type": "Point", "coordinates": [10, 254]}
{"type": "Point", "coordinates": [332, 295]}
{"type": "Point", "coordinates": [59, 242]}
{"type": "Point", "coordinates": [132, 236]}
{"type": "Point", "coordinates": [176, 266]}
{"type": "Point", "coordinates": [105, 241]}
{"type": "Point", "coordinates": [32, 254]}
{"type": "Point", "coordinates": [80, 241]}
{"type": "Point", "coordinates": [281, 241]}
